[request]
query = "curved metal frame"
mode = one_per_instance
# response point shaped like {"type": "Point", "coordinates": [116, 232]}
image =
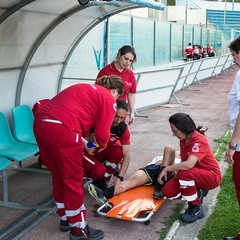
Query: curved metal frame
{"type": "Point", "coordinates": [14, 9]}
{"type": "Point", "coordinates": [83, 34]}
{"type": "Point", "coordinates": [48, 30]}
{"type": "Point", "coordinates": [35, 46]}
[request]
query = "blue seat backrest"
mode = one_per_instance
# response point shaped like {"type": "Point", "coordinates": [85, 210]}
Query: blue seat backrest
{"type": "Point", "coordinates": [6, 138]}
{"type": "Point", "coordinates": [22, 124]}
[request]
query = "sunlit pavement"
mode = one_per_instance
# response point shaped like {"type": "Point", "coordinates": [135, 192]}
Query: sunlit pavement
{"type": "Point", "coordinates": [206, 103]}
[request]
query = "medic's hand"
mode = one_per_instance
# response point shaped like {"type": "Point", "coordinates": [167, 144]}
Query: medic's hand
{"type": "Point", "coordinates": [118, 186]}
{"type": "Point", "coordinates": [131, 118]}
{"type": "Point", "coordinates": [229, 156]}
{"type": "Point", "coordinates": [162, 175]}
{"type": "Point", "coordinates": [87, 149]}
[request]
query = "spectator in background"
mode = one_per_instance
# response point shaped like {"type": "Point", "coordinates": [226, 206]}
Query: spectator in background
{"type": "Point", "coordinates": [200, 50]}
{"type": "Point", "coordinates": [121, 67]}
{"type": "Point", "coordinates": [210, 51]}
{"type": "Point", "coordinates": [195, 52]}
{"type": "Point", "coordinates": [188, 52]}
{"type": "Point", "coordinates": [204, 53]}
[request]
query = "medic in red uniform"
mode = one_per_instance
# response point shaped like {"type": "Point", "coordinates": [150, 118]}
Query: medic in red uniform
{"type": "Point", "coordinates": [101, 166]}
{"type": "Point", "coordinates": [122, 67]}
{"type": "Point", "coordinates": [198, 170]}
{"type": "Point", "coordinates": [58, 128]}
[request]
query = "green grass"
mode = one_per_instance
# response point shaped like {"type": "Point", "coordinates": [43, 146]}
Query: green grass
{"type": "Point", "coordinates": [225, 219]}
{"type": "Point", "coordinates": [170, 220]}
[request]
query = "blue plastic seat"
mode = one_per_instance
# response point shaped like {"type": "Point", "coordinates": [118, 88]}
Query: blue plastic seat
{"type": "Point", "coordinates": [9, 147]}
{"type": "Point", "coordinates": [4, 163]}
{"type": "Point", "coordinates": [22, 124]}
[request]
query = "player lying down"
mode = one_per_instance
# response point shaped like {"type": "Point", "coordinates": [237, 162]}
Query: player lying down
{"type": "Point", "coordinates": [147, 175]}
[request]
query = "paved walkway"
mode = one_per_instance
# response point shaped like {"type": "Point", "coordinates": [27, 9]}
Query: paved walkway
{"type": "Point", "coordinates": [207, 105]}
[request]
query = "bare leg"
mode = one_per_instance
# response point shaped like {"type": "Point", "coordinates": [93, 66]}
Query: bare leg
{"type": "Point", "coordinates": [140, 177]}
{"type": "Point", "coordinates": [137, 179]}
{"type": "Point", "coordinates": [168, 156]}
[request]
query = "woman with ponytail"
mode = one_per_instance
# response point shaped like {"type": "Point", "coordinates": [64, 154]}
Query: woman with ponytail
{"type": "Point", "coordinates": [197, 173]}
{"type": "Point", "coordinates": [58, 128]}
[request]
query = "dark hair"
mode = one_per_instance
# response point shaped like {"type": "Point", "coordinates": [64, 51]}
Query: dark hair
{"type": "Point", "coordinates": [235, 45]}
{"type": "Point", "coordinates": [121, 104]}
{"type": "Point", "coordinates": [127, 49]}
{"type": "Point", "coordinates": [111, 82]}
{"type": "Point", "coordinates": [185, 124]}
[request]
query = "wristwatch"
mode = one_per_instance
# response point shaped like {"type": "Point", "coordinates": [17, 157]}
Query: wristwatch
{"type": "Point", "coordinates": [121, 178]}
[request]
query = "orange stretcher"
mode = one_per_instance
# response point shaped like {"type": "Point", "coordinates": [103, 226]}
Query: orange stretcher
{"type": "Point", "coordinates": [136, 205]}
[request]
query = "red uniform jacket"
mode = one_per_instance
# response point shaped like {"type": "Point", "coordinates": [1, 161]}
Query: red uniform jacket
{"type": "Point", "coordinates": [127, 75]}
{"type": "Point", "coordinates": [82, 107]}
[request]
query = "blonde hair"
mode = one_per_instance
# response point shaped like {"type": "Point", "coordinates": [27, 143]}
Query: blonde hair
{"type": "Point", "coordinates": [111, 82]}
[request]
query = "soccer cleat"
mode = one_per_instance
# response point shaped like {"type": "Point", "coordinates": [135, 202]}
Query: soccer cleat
{"type": "Point", "coordinates": [97, 194]}
{"type": "Point", "coordinates": [87, 233]}
{"type": "Point", "coordinates": [64, 226]}
{"type": "Point", "coordinates": [192, 214]}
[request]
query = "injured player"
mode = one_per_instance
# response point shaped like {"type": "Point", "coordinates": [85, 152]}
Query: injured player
{"type": "Point", "coordinates": [148, 175]}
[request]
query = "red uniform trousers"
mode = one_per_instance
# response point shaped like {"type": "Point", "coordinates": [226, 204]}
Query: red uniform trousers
{"type": "Point", "coordinates": [103, 164]}
{"type": "Point", "coordinates": [185, 185]}
{"type": "Point", "coordinates": [236, 172]}
{"type": "Point", "coordinates": [62, 152]}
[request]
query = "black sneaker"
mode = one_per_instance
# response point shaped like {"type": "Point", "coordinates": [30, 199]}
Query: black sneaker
{"type": "Point", "coordinates": [189, 209]}
{"type": "Point", "coordinates": [101, 184]}
{"type": "Point", "coordinates": [157, 194]}
{"type": "Point", "coordinates": [97, 194]}
{"type": "Point", "coordinates": [64, 226]}
{"type": "Point", "coordinates": [192, 214]}
{"type": "Point", "coordinates": [87, 233]}
{"type": "Point", "coordinates": [202, 193]}
{"type": "Point", "coordinates": [158, 187]}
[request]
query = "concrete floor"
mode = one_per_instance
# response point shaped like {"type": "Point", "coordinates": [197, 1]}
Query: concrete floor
{"type": "Point", "coordinates": [206, 103]}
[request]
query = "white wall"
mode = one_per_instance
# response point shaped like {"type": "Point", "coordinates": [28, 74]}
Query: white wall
{"type": "Point", "coordinates": [196, 16]}
{"type": "Point", "coordinates": [176, 13]}
{"type": "Point", "coordinates": [182, 15]}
